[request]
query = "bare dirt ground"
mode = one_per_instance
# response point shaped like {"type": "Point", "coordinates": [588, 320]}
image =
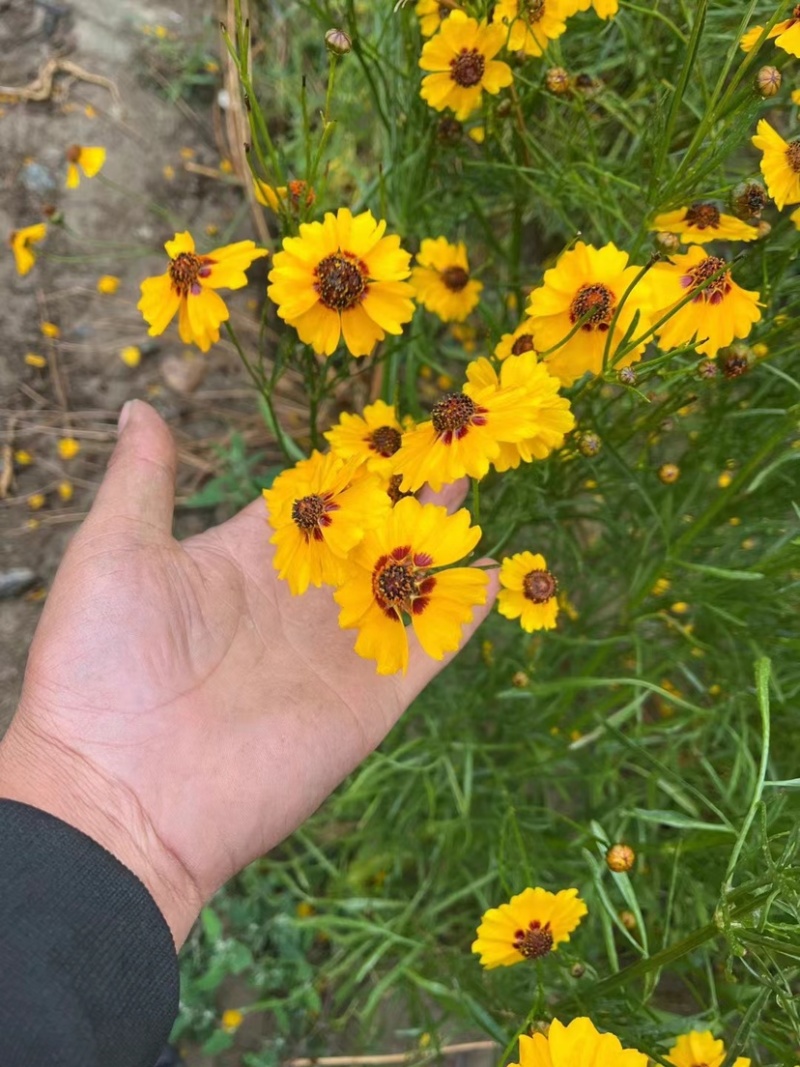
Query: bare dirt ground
{"type": "Point", "coordinates": [162, 174]}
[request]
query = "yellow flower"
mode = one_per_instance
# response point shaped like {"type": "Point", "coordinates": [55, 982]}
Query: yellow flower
{"type": "Point", "coordinates": [606, 9]}
{"type": "Point", "coordinates": [33, 360]}
{"type": "Point", "coordinates": [528, 592]}
{"type": "Point", "coordinates": [188, 289]}
{"type": "Point", "coordinates": [342, 277]}
{"type": "Point", "coordinates": [320, 510]}
{"type": "Point", "coordinates": [715, 316]}
{"type": "Point", "coordinates": [36, 501]}
{"type": "Point", "coordinates": [577, 1045]}
{"type": "Point", "coordinates": [393, 575]}
{"type": "Point", "coordinates": [65, 491]}
{"type": "Point", "coordinates": [531, 925]}
{"type": "Point", "coordinates": [373, 437]}
{"type": "Point", "coordinates": [295, 195]}
{"type": "Point", "coordinates": [780, 164]}
{"type": "Point", "coordinates": [786, 34]}
{"type": "Point", "coordinates": [90, 161]}
{"type": "Point", "coordinates": [586, 286]}
{"type": "Point", "coordinates": [108, 284]}
{"type": "Point", "coordinates": [431, 15]}
{"type": "Point", "coordinates": [461, 59]}
{"type": "Point", "coordinates": [49, 329]}
{"type": "Point", "coordinates": [68, 447]}
{"type": "Point", "coordinates": [554, 418]}
{"type": "Point", "coordinates": [533, 23]}
{"type": "Point", "coordinates": [699, 1049]}
{"type": "Point", "coordinates": [23, 458]}
{"type": "Point", "coordinates": [231, 1020]}
{"type": "Point", "coordinates": [20, 242]}
{"type": "Point", "coordinates": [514, 344]}
{"type": "Point", "coordinates": [130, 355]}
{"type": "Point", "coordinates": [702, 222]}
{"type": "Point", "coordinates": [466, 429]}
{"type": "Point", "coordinates": [441, 280]}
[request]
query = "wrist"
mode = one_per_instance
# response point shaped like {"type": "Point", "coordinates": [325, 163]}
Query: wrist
{"type": "Point", "coordinates": [38, 771]}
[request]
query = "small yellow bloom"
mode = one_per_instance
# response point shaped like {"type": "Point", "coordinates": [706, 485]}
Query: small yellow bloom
{"type": "Point", "coordinates": [702, 222]}
{"type": "Point", "coordinates": [65, 491]}
{"type": "Point", "coordinates": [533, 924]}
{"type": "Point", "coordinates": [461, 61]}
{"type": "Point", "coordinates": [232, 1019]}
{"type": "Point", "coordinates": [516, 343]}
{"type": "Point", "coordinates": [68, 447]}
{"type": "Point", "coordinates": [699, 1047]}
{"type": "Point", "coordinates": [33, 360]}
{"type": "Point", "coordinates": [23, 458]}
{"type": "Point", "coordinates": [169, 172]}
{"type": "Point", "coordinates": [108, 284]}
{"type": "Point", "coordinates": [533, 26]}
{"type": "Point", "coordinates": [734, 520]}
{"type": "Point", "coordinates": [528, 592]}
{"type": "Point", "coordinates": [761, 350]}
{"type": "Point", "coordinates": [780, 164]}
{"type": "Point", "coordinates": [442, 282]}
{"type": "Point", "coordinates": [661, 586]}
{"type": "Point", "coordinates": [714, 690]}
{"type": "Point", "coordinates": [680, 607]}
{"type": "Point", "coordinates": [225, 166]}
{"type": "Point", "coordinates": [605, 9]}
{"type": "Point", "coordinates": [188, 289]}
{"type": "Point", "coordinates": [669, 473]}
{"type": "Point", "coordinates": [36, 501]}
{"type": "Point", "coordinates": [90, 161]}
{"type": "Point", "coordinates": [373, 437]}
{"type": "Point", "coordinates": [724, 479]}
{"type": "Point", "coordinates": [295, 196]}
{"type": "Point", "coordinates": [796, 97]}
{"type": "Point", "coordinates": [90, 112]}
{"type": "Point", "coordinates": [187, 153]}
{"type": "Point", "coordinates": [20, 242]}
{"type": "Point", "coordinates": [131, 356]}
{"type": "Point", "coordinates": [49, 329]}
{"type": "Point", "coordinates": [304, 910]}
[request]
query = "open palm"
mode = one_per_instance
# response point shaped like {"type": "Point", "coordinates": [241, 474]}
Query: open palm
{"type": "Point", "coordinates": [183, 677]}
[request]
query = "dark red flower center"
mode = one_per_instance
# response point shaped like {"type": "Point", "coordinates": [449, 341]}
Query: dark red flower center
{"type": "Point", "coordinates": [341, 281]}
{"type": "Point", "coordinates": [524, 343]}
{"type": "Point", "coordinates": [466, 69]}
{"type": "Point", "coordinates": [793, 155]}
{"type": "Point", "coordinates": [455, 278]}
{"type": "Point", "coordinates": [593, 307]}
{"type": "Point", "coordinates": [385, 441]}
{"type": "Point", "coordinates": [310, 514]}
{"type": "Point", "coordinates": [539, 586]}
{"type": "Point", "coordinates": [186, 269]}
{"type": "Point", "coordinates": [703, 216]}
{"type": "Point", "coordinates": [454, 414]}
{"type": "Point", "coordinates": [715, 291]}
{"type": "Point", "coordinates": [402, 582]}
{"type": "Point", "coordinates": [534, 942]}
{"type": "Point", "coordinates": [73, 153]}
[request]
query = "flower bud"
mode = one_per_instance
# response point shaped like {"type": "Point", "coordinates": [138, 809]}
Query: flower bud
{"type": "Point", "coordinates": [337, 42]}
{"type": "Point", "coordinates": [577, 970]}
{"type": "Point", "coordinates": [668, 242]}
{"type": "Point", "coordinates": [707, 369]}
{"type": "Point", "coordinates": [669, 473]}
{"type": "Point", "coordinates": [557, 81]}
{"type": "Point", "coordinates": [627, 376]}
{"type": "Point", "coordinates": [620, 858]}
{"type": "Point", "coordinates": [628, 920]}
{"type": "Point", "coordinates": [520, 680]}
{"type": "Point", "coordinates": [768, 82]}
{"type": "Point", "coordinates": [589, 444]}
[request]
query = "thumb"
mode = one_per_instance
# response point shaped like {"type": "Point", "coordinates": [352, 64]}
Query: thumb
{"type": "Point", "coordinates": [139, 484]}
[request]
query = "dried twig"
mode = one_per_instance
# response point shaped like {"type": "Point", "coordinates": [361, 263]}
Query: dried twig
{"type": "Point", "coordinates": [417, 1054]}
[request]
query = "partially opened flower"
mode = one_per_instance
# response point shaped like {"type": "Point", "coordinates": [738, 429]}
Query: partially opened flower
{"type": "Point", "coordinates": [462, 64]}
{"type": "Point", "coordinates": [90, 161]}
{"type": "Point", "coordinates": [702, 222]}
{"type": "Point", "coordinates": [605, 9]}
{"type": "Point", "coordinates": [533, 23]}
{"type": "Point", "coordinates": [698, 1048]}
{"type": "Point", "coordinates": [395, 576]}
{"type": "Point", "coordinates": [342, 278]}
{"type": "Point", "coordinates": [20, 242]}
{"type": "Point", "coordinates": [577, 1045]}
{"type": "Point", "coordinates": [296, 195]}
{"type": "Point", "coordinates": [780, 164]}
{"type": "Point", "coordinates": [431, 15]}
{"type": "Point", "coordinates": [580, 296]}
{"type": "Point", "coordinates": [719, 311]}
{"type": "Point", "coordinates": [786, 34]}
{"type": "Point", "coordinates": [516, 343]}
{"type": "Point", "coordinates": [531, 925]}
{"type": "Point", "coordinates": [528, 592]}
{"type": "Point", "coordinates": [442, 282]}
{"type": "Point", "coordinates": [188, 288]}
{"type": "Point", "coordinates": [320, 510]}
{"type": "Point", "coordinates": [372, 437]}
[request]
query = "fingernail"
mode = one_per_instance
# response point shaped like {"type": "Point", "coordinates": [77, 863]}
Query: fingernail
{"type": "Point", "coordinates": [124, 415]}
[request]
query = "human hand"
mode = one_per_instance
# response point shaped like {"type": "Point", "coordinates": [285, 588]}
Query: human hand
{"type": "Point", "coordinates": [179, 705]}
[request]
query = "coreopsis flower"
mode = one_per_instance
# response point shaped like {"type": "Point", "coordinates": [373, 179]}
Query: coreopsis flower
{"type": "Point", "coordinates": [372, 437]}
{"type": "Point", "coordinates": [20, 242]}
{"type": "Point", "coordinates": [342, 278]}
{"type": "Point", "coordinates": [395, 575]}
{"type": "Point", "coordinates": [786, 34]}
{"type": "Point", "coordinates": [90, 161]}
{"type": "Point", "coordinates": [531, 925]}
{"type": "Point", "coordinates": [188, 288]}
{"type": "Point", "coordinates": [516, 343]}
{"type": "Point", "coordinates": [554, 418]}
{"type": "Point", "coordinates": [586, 286]}
{"type": "Point", "coordinates": [605, 9]}
{"type": "Point", "coordinates": [442, 282]}
{"type": "Point", "coordinates": [466, 429]}
{"type": "Point", "coordinates": [295, 195]}
{"type": "Point", "coordinates": [462, 64]}
{"type": "Point", "coordinates": [320, 510]}
{"type": "Point", "coordinates": [577, 1045]}
{"type": "Point", "coordinates": [528, 592]}
{"type": "Point", "coordinates": [719, 312]}
{"type": "Point", "coordinates": [431, 15]}
{"type": "Point", "coordinates": [702, 222]}
{"type": "Point", "coordinates": [698, 1048]}
{"type": "Point", "coordinates": [533, 23]}
{"type": "Point", "coordinates": [108, 284]}
{"type": "Point", "coordinates": [780, 164]}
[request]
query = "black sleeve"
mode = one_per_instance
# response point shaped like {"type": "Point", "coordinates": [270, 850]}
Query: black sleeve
{"type": "Point", "coordinates": [88, 969]}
